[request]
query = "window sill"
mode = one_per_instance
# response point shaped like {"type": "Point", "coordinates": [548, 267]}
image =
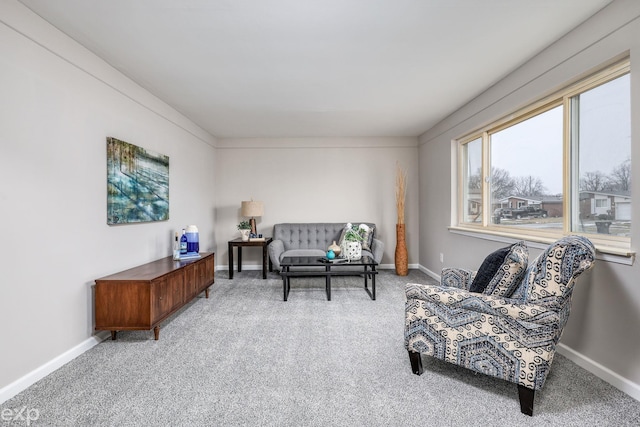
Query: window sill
{"type": "Point", "coordinates": [605, 253]}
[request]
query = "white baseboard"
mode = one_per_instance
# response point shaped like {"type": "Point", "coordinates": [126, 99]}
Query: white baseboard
{"type": "Point", "coordinates": [37, 374]}
{"type": "Point", "coordinates": [618, 381]}
{"type": "Point", "coordinates": [429, 273]}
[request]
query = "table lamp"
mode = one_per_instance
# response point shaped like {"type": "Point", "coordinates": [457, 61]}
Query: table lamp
{"type": "Point", "coordinates": [252, 209]}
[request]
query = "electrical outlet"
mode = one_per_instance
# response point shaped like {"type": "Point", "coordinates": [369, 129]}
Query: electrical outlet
{"type": "Point", "coordinates": [441, 257]}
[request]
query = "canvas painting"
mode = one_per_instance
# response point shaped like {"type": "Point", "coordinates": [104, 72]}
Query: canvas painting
{"type": "Point", "coordinates": [137, 184]}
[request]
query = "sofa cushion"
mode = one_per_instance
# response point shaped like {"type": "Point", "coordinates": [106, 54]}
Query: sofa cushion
{"type": "Point", "coordinates": [303, 252]}
{"type": "Point", "coordinates": [307, 236]}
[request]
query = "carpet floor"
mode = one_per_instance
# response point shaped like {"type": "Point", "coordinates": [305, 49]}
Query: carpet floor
{"type": "Point", "coordinates": [246, 357]}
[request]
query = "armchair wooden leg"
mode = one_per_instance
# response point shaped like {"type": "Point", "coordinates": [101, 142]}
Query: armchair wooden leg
{"type": "Point", "coordinates": [416, 362]}
{"type": "Point", "coordinates": [526, 399]}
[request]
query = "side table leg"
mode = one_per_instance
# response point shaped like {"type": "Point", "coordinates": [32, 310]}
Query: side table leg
{"type": "Point", "coordinates": [264, 261]}
{"type": "Point", "coordinates": [230, 261]}
{"type": "Point", "coordinates": [239, 259]}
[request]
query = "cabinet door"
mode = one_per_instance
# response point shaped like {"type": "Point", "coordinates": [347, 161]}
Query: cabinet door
{"type": "Point", "coordinates": [206, 272]}
{"type": "Point", "coordinates": [176, 282]}
{"type": "Point", "coordinates": [161, 298]}
{"type": "Point", "coordinates": [191, 283]}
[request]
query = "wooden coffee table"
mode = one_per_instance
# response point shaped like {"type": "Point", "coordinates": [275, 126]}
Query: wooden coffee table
{"type": "Point", "coordinates": [307, 266]}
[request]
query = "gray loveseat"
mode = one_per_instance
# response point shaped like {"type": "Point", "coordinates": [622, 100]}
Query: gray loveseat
{"type": "Point", "coordinates": [313, 239]}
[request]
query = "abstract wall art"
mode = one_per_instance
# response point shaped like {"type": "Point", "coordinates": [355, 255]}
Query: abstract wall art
{"type": "Point", "coordinates": [137, 184]}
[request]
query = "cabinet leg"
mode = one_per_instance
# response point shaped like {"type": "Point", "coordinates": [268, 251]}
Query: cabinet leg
{"type": "Point", "coordinates": [156, 332]}
{"type": "Point", "coordinates": [113, 335]}
{"type": "Point", "coordinates": [206, 293]}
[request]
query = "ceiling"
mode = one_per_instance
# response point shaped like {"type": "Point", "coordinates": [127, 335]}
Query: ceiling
{"type": "Point", "coordinates": [315, 68]}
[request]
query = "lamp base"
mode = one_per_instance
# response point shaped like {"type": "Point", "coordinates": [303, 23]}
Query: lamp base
{"type": "Point", "coordinates": [252, 222]}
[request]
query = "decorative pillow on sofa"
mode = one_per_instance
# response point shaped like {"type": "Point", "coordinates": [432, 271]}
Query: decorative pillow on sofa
{"type": "Point", "coordinates": [501, 271]}
{"type": "Point", "coordinates": [367, 235]}
{"type": "Point", "coordinates": [368, 238]}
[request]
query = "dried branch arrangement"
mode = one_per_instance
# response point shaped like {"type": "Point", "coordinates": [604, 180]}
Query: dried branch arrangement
{"type": "Point", "coordinates": [401, 186]}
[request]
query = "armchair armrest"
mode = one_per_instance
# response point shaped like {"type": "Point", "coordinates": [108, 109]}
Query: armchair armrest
{"type": "Point", "coordinates": [457, 277]}
{"type": "Point", "coordinates": [497, 306]}
{"type": "Point", "coordinates": [276, 249]}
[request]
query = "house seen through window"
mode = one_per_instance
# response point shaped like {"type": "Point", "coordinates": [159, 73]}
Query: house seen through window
{"type": "Point", "coordinates": [561, 166]}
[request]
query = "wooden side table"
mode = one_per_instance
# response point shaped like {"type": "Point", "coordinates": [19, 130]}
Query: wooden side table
{"type": "Point", "coordinates": [240, 244]}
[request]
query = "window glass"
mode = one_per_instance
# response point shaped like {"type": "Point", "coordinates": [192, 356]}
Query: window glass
{"type": "Point", "coordinates": [472, 197]}
{"type": "Point", "coordinates": [602, 139]}
{"type": "Point", "coordinates": [526, 172]}
{"type": "Point", "coordinates": [560, 166]}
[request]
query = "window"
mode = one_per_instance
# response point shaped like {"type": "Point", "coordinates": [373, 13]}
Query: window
{"type": "Point", "coordinates": [560, 166]}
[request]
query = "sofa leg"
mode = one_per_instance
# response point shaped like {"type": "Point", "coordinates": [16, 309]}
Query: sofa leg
{"type": "Point", "coordinates": [416, 362]}
{"type": "Point", "coordinates": [526, 399]}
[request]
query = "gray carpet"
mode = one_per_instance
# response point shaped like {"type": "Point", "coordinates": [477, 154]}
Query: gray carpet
{"type": "Point", "coordinates": [246, 357]}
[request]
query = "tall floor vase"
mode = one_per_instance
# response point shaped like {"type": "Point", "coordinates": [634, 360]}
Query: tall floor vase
{"type": "Point", "coordinates": [402, 262]}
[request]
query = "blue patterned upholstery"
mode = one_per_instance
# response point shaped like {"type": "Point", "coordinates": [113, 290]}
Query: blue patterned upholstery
{"type": "Point", "coordinates": [509, 338]}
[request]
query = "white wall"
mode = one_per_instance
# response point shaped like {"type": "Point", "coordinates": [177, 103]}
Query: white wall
{"type": "Point", "coordinates": [316, 180]}
{"type": "Point", "coordinates": [602, 333]}
{"type": "Point", "coordinates": [58, 104]}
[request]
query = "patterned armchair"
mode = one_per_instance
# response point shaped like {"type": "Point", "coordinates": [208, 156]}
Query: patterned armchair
{"type": "Point", "coordinates": [510, 337]}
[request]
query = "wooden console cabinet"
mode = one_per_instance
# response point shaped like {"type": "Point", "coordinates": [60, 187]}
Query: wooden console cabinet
{"type": "Point", "coordinates": [142, 297]}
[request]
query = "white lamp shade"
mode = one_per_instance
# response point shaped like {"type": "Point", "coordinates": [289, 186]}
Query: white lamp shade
{"type": "Point", "coordinates": [252, 208]}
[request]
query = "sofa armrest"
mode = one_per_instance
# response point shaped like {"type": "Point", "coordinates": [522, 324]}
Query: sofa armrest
{"type": "Point", "coordinates": [377, 249]}
{"type": "Point", "coordinates": [457, 277]}
{"type": "Point", "coordinates": [276, 249]}
{"type": "Point", "coordinates": [497, 306]}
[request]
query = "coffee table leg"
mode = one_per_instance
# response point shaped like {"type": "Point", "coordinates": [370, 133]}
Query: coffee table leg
{"type": "Point", "coordinates": [372, 292]}
{"type": "Point", "coordinates": [328, 280]}
{"type": "Point", "coordinates": [285, 283]}
{"type": "Point", "coordinates": [373, 283]}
